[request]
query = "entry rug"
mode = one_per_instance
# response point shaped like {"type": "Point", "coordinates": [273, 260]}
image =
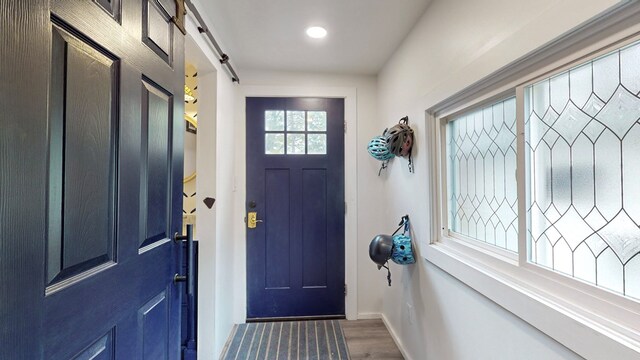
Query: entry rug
{"type": "Point", "coordinates": [290, 340]}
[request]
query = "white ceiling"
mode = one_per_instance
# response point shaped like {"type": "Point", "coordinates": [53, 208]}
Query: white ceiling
{"type": "Point", "coordinates": [270, 34]}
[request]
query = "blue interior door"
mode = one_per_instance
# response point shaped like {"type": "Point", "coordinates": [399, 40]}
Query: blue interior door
{"type": "Point", "coordinates": [101, 148]}
{"type": "Point", "coordinates": [295, 185]}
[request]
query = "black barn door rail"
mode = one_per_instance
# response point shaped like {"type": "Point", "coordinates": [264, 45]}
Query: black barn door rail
{"type": "Point", "coordinates": [203, 29]}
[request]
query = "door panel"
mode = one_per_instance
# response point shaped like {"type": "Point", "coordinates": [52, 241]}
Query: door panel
{"type": "Point", "coordinates": [154, 322]}
{"type": "Point", "coordinates": [93, 143]}
{"type": "Point", "coordinates": [111, 7]}
{"type": "Point", "coordinates": [157, 29]}
{"type": "Point", "coordinates": [82, 157]}
{"type": "Point", "coordinates": [156, 133]}
{"type": "Point", "coordinates": [295, 183]}
{"type": "Point", "coordinates": [101, 349]}
{"type": "Point", "coordinates": [314, 228]}
{"type": "Point", "coordinates": [277, 203]}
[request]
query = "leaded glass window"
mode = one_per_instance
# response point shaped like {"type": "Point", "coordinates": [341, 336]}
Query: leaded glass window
{"type": "Point", "coordinates": [583, 162]}
{"type": "Point", "coordinates": [481, 171]}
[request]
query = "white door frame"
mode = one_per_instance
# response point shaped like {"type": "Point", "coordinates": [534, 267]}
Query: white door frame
{"type": "Point", "coordinates": [351, 230]}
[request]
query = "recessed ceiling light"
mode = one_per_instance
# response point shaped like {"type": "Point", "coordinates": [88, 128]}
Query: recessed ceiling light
{"type": "Point", "coordinates": [316, 32]}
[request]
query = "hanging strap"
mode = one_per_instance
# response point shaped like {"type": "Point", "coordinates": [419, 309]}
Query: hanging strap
{"type": "Point", "coordinates": [405, 121]}
{"type": "Point", "coordinates": [383, 166]}
{"type": "Point", "coordinates": [405, 219]}
{"type": "Point", "coordinates": [399, 227]}
{"type": "Point", "coordinates": [410, 163]}
{"type": "Point", "coordinates": [404, 222]}
{"type": "Point", "coordinates": [388, 272]}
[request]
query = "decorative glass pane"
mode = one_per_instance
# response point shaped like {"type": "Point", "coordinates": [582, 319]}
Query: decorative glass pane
{"type": "Point", "coordinates": [481, 156]}
{"type": "Point", "coordinates": [610, 272]}
{"type": "Point", "coordinates": [295, 144]}
{"type": "Point", "coordinates": [295, 120]}
{"type": "Point", "coordinates": [584, 264]}
{"type": "Point", "coordinates": [630, 67]}
{"type": "Point", "coordinates": [317, 144]}
{"type": "Point", "coordinates": [274, 120]}
{"type": "Point", "coordinates": [632, 274]}
{"type": "Point", "coordinates": [317, 121]}
{"type": "Point", "coordinates": [583, 150]}
{"type": "Point", "coordinates": [606, 76]}
{"type": "Point", "coordinates": [274, 144]}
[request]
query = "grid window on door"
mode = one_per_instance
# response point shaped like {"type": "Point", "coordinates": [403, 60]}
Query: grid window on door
{"type": "Point", "coordinates": [295, 132]}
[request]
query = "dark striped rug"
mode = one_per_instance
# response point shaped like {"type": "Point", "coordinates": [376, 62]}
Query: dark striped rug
{"type": "Point", "coordinates": [291, 340]}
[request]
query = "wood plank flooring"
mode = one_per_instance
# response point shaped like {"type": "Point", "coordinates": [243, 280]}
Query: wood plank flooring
{"type": "Point", "coordinates": [369, 339]}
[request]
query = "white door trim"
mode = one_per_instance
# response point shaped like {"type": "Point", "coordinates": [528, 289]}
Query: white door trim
{"type": "Point", "coordinates": [351, 230]}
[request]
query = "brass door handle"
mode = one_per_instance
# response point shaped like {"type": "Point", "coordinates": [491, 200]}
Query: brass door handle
{"type": "Point", "coordinates": [252, 220]}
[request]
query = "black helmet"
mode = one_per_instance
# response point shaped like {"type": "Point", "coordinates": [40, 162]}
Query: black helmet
{"type": "Point", "coordinates": [400, 138]}
{"type": "Point", "coordinates": [380, 249]}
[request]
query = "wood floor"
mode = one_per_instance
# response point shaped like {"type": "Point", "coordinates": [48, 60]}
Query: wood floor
{"type": "Point", "coordinates": [369, 339]}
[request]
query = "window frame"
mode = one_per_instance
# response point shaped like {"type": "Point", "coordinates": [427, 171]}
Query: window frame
{"type": "Point", "coordinates": [521, 156]}
{"type": "Point", "coordinates": [590, 320]}
{"type": "Point", "coordinates": [444, 119]}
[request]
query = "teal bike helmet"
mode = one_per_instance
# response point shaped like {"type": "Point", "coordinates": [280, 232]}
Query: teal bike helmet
{"type": "Point", "coordinates": [378, 149]}
{"type": "Point", "coordinates": [402, 250]}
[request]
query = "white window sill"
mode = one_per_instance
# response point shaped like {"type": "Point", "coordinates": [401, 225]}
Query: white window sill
{"type": "Point", "coordinates": [585, 322]}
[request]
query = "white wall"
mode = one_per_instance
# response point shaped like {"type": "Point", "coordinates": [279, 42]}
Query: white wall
{"type": "Point", "coordinates": [206, 218]}
{"type": "Point", "coordinates": [455, 44]}
{"type": "Point", "coordinates": [369, 280]}
{"type": "Point", "coordinates": [226, 238]}
{"type": "Point", "coordinates": [215, 166]}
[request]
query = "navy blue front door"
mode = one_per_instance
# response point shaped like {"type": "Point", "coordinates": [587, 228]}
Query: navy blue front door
{"type": "Point", "coordinates": [91, 182]}
{"type": "Point", "coordinates": [295, 185]}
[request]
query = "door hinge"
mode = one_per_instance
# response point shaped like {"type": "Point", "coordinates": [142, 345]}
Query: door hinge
{"type": "Point", "coordinates": [345, 127]}
{"type": "Point", "coordinates": [345, 289]}
{"type": "Point", "coordinates": [181, 11]}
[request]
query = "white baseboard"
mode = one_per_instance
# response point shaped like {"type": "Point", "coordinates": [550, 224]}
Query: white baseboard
{"type": "Point", "coordinates": [369, 316]}
{"type": "Point", "coordinates": [395, 337]}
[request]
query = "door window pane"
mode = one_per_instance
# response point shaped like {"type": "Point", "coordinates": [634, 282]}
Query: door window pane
{"type": "Point", "coordinates": [317, 121]}
{"type": "Point", "coordinates": [295, 144]}
{"type": "Point", "coordinates": [274, 144]}
{"type": "Point", "coordinates": [317, 144]}
{"type": "Point", "coordinates": [481, 163]}
{"type": "Point", "coordinates": [274, 120]}
{"type": "Point", "coordinates": [583, 161]}
{"type": "Point", "coordinates": [295, 120]}
{"type": "Point", "coordinates": [299, 124]}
